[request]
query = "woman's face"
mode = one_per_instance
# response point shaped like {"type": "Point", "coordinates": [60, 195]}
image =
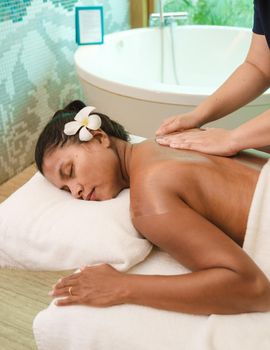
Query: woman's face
{"type": "Point", "coordinates": [89, 170]}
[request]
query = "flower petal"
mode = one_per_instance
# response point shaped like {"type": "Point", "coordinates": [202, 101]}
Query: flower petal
{"type": "Point", "coordinates": [71, 128]}
{"type": "Point", "coordinates": [94, 122]}
{"type": "Point", "coordinates": [84, 112]}
{"type": "Point", "coordinates": [85, 135]}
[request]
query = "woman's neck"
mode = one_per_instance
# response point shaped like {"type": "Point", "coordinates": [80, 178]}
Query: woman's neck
{"type": "Point", "coordinates": [124, 152]}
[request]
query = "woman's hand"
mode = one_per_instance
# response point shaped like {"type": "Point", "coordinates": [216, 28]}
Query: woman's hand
{"type": "Point", "coordinates": [210, 140]}
{"type": "Point", "coordinates": [178, 123]}
{"type": "Point", "coordinates": [98, 285]}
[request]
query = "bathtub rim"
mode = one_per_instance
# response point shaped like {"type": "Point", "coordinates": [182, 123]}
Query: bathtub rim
{"type": "Point", "coordinates": [154, 92]}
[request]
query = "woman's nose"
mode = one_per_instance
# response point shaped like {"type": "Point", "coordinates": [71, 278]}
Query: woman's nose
{"type": "Point", "coordinates": [76, 190]}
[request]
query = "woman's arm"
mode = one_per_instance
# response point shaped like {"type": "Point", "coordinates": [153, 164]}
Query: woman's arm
{"type": "Point", "coordinates": [246, 83]}
{"type": "Point", "coordinates": [224, 280]}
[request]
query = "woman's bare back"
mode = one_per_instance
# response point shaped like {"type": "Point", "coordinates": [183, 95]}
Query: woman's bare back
{"type": "Point", "coordinates": [219, 189]}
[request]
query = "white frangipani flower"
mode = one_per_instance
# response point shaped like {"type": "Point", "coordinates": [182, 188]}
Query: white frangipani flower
{"type": "Point", "coordinates": [83, 121]}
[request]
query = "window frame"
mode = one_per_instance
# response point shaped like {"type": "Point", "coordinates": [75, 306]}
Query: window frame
{"type": "Point", "coordinates": [140, 11]}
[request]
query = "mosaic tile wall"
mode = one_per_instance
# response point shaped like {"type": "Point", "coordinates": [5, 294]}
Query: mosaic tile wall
{"type": "Point", "coordinates": [37, 74]}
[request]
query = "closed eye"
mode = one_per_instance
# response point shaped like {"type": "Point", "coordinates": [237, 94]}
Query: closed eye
{"type": "Point", "coordinates": [71, 173]}
{"type": "Point", "coordinates": [65, 175]}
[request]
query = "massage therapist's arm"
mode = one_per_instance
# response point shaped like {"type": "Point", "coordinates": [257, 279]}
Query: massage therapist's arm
{"type": "Point", "coordinates": [249, 80]}
{"type": "Point", "coordinates": [246, 83]}
{"type": "Point", "coordinates": [224, 280]}
{"type": "Point", "coordinates": [253, 134]}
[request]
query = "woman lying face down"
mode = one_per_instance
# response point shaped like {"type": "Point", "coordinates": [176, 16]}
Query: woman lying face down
{"type": "Point", "coordinates": [192, 205]}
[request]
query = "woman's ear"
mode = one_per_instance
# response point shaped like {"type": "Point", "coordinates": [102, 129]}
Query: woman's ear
{"type": "Point", "coordinates": [101, 137]}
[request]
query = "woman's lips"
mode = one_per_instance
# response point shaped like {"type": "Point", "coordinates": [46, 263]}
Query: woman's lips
{"type": "Point", "coordinates": [91, 196]}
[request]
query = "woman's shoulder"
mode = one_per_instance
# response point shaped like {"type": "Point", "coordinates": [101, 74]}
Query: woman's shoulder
{"type": "Point", "coordinates": [155, 179]}
{"type": "Point", "coordinates": [148, 163]}
{"type": "Point", "coordinates": [151, 161]}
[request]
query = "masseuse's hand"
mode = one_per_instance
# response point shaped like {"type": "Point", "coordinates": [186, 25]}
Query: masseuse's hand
{"type": "Point", "coordinates": [178, 123]}
{"type": "Point", "coordinates": [98, 285]}
{"type": "Point", "coordinates": [210, 140]}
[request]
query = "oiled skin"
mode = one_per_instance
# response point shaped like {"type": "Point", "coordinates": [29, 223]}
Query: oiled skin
{"type": "Point", "coordinates": [218, 188]}
{"type": "Point", "coordinates": [195, 207]}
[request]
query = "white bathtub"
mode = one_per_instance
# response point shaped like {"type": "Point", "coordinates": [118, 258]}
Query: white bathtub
{"type": "Point", "coordinates": [122, 77]}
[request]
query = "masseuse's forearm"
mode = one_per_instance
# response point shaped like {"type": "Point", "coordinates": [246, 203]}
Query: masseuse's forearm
{"type": "Point", "coordinates": [216, 290]}
{"type": "Point", "coordinates": [253, 134]}
{"type": "Point", "coordinates": [245, 84]}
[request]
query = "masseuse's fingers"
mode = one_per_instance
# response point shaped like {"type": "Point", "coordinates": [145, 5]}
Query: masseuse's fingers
{"type": "Point", "coordinates": [177, 123]}
{"type": "Point", "coordinates": [211, 141]}
{"type": "Point", "coordinates": [168, 139]}
{"type": "Point", "coordinates": [168, 125]}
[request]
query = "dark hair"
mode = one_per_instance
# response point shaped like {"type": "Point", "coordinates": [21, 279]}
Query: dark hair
{"type": "Point", "coordinates": [53, 135]}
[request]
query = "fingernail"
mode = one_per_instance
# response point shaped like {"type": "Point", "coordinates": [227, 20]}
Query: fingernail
{"type": "Point", "coordinates": [160, 131]}
{"type": "Point", "coordinates": [50, 293]}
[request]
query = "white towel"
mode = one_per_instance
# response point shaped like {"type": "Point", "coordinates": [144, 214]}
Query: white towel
{"type": "Point", "coordinates": [123, 327]}
{"type": "Point", "coordinates": [136, 327]}
{"type": "Point", "coordinates": [252, 330]}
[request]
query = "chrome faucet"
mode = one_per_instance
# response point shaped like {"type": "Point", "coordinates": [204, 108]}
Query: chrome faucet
{"type": "Point", "coordinates": [161, 17]}
{"type": "Point", "coordinates": [165, 18]}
